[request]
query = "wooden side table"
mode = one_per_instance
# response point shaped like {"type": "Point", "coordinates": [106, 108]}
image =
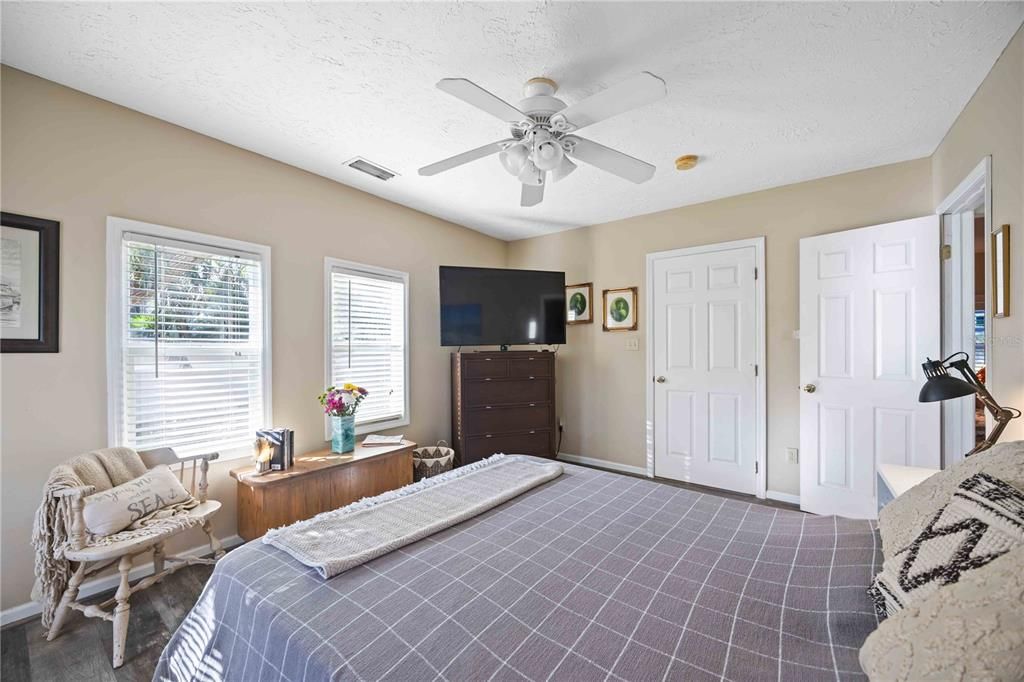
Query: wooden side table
{"type": "Point", "coordinates": [318, 482]}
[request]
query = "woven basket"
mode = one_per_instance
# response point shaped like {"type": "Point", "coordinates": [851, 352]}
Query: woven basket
{"type": "Point", "coordinates": [432, 460]}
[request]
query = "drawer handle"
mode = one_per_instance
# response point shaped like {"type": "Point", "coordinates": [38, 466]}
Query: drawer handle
{"type": "Point", "coordinates": [533, 404]}
{"type": "Point", "coordinates": [487, 436]}
{"type": "Point", "coordinates": [488, 359]}
{"type": "Point", "coordinates": [487, 379]}
{"type": "Point", "coordinates": [531, 378]}
{"type": "Point", "coordinates": [531, 359]}
{"type": "Point", "coordinates": [487, 407]}
{"type": "Point", "coordinates": [532, 432]}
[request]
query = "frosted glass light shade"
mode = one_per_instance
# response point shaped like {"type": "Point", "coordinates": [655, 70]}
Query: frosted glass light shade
{"type": "Point", "coordinates": [547, 155]}
{"type": "Point", "coordinates": [514, 158]}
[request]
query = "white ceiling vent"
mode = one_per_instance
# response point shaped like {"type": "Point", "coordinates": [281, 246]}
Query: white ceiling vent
{"type": "Point", "coordinates": [370, 168]}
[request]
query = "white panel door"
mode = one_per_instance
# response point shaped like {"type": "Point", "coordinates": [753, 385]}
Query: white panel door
{"type": "Point", "coordinates": [704, 347]}
{"type": "Point", "coordinates": [869, 315]}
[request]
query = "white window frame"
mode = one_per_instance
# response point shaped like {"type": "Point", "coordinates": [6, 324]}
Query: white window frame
{"type": "Point", "coordinates": [116, 229]}
{"type": "Point", "coordinates": [338, 265]}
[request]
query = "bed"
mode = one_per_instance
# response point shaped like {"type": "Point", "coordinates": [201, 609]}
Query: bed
{"type": "Point", "coordinates": [592, 576]}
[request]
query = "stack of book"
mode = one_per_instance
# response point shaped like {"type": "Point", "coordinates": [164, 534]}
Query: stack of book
{"type": "Point", "coordinates": [283, 442]}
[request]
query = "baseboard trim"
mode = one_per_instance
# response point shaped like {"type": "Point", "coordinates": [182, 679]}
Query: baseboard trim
{"type": "Point", "coordinates": [104, 583]}
{"type": "Point", "coordinates": [783, 497]}
{"type": "Point", "coordinates": [602, 464]}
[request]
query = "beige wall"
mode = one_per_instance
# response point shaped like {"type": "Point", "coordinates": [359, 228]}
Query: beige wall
{"type": "Point", "coordinates": [993, 123]}
{"type": "Point", "coordinates": [77, 159]}
{"type": "Point", "coordinates": [601, 385]}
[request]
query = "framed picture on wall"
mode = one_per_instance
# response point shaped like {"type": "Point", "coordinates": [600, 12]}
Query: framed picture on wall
{"type": "Point", "coordinates": [619, 307]}
{"type": "Point", "coordinates": [29, 284]}
{"type": "Point", "coordinates": [1001, 272]}
{"type": "Point", "coordinates": [579, 303]}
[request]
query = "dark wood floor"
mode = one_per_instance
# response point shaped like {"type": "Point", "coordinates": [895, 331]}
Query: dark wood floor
{"type": "Point", "coordinates": [82, 652]}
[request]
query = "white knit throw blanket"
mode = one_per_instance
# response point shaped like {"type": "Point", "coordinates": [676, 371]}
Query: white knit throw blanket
{"type": "Point", "coordinates": [341, 539]}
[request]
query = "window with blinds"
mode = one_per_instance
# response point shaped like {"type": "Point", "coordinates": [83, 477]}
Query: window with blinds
{"type": "Point", "coordinates": [367, 341]}
{"type": "Point", "coordinates": [192, 356]}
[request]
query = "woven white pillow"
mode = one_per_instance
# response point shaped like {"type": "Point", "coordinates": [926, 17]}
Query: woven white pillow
{"type": "Point", "coordinates": [112, 510]}
{"type": "Point", "coordinates": [983, 520]}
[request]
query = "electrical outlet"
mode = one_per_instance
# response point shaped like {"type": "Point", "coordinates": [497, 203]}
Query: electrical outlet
{"type": "Point", "coordinates": [792, 455]}
{"type": "Point", "coordinates": [633, 344]}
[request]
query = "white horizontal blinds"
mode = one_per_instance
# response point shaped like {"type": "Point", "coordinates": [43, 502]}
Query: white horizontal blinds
{"type": "Point", "coordinates": [368, 340]}
{"type": "Point", "coordinates": [192, 346]}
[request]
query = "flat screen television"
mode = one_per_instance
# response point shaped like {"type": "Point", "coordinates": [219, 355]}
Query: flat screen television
{"type": "Point", "coordinates": [498, 307]}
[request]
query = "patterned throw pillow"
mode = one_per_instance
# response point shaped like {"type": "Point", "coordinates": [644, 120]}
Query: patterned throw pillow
{"type": "Point", "coordinates": [112, 510]}
{"type": "Point", "coordinates": [982, 521]}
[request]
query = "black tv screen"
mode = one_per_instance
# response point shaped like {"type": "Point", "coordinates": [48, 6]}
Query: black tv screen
{"type": "Point", "coordinates": [493, 307]}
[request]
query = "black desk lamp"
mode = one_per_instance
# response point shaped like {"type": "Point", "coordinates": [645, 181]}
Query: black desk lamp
{"type": "Point", "coordinates": [941, 386]}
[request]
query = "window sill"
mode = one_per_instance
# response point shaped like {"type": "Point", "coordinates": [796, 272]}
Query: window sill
{"type": "Point", "coordinates": [374, 427]}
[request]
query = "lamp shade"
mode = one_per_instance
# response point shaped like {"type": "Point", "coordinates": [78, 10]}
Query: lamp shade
{"type": "Point", "coordinates": [944, 387]}
{"type": "Point", "coordinates": [547, 155]}
{"type": "Point", "coordinates": [514, 158]}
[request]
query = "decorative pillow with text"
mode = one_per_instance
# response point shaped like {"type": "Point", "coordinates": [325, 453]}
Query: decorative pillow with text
{"type": "Point", "coordinates": [113, 510]}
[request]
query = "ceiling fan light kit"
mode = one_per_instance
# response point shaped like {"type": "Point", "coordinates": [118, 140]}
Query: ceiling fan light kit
{"type": "Point", "coordinates": [541, 131]}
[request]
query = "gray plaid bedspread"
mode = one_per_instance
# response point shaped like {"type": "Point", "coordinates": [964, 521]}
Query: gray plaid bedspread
{"type": "Point", "coordinates": [592, 576]}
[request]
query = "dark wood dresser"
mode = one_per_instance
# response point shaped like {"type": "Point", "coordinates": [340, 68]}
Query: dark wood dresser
{"type": "Point", "coordinates": [503, 402]}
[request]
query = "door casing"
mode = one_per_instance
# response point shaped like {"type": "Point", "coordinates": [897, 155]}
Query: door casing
{"type": "Point", "coordinates": [761, 441]}
{"type": "Point", "coordinates": [974, 190]}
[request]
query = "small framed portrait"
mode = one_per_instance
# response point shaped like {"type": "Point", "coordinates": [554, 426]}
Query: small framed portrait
{"type": "Point", "coordinates": [579, 308]}
{"type": "Point", "coordinates": [29, 284]}
{"type": "Point", "coordinates": [620, 314]}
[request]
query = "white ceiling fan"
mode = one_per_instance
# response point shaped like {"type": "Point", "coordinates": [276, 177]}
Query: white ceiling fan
{"type": "Point", "coordinates": [543, 131]}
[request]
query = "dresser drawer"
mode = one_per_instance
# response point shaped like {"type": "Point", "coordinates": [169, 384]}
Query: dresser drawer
{"type": "Point", "coordinates": [481, 392]}
{"type": "Point", "coordinates": [530, 367]}
{"type": "Point", "coordinates": [494, 420]}
{"type": "Point", "coordinates": [535, 443]}
{"type": "Point", "coordinates": [485, 367]}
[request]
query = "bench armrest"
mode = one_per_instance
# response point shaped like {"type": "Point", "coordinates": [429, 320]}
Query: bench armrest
{"type": "Point", "coordinates": [75, 497]}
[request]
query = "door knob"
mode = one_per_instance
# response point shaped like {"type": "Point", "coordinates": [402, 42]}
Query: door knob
{"type": "Point", "coordinates": [808, 388]}
{"type": "Point", "coordinates": [660, 380]}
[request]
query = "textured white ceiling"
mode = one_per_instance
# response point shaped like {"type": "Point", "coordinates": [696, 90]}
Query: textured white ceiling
{"type": "Point", "coordinates": [767, 93]}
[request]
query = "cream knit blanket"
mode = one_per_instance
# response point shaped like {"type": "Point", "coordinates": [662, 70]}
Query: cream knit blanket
{"type": "Point", "coordinates": [341, 539]}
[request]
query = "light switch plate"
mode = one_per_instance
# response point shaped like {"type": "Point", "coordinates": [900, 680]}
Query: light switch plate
{"type": "Point", "coordinates": [632, 344]}
{"type": "Point", "coordinates": [792, 455]}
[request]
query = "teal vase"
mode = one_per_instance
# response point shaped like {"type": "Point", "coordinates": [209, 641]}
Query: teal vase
{"type": "Point", "coordinates": [343, 434]}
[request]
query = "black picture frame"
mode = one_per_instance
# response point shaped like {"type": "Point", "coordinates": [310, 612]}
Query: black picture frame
{"type": "Point", "coordinates": [48, 339]}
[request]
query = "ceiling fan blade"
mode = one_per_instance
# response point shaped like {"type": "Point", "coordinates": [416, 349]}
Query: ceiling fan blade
{"type": "Point", "coordinates": [465, 157]}
{"type": "Point", "coordinates": [608, 159]}
{"type": "Point", "coordinates": [637, 91]}
{"type": "Point", "coordinates": [533, 194]}
{"type": "Point", "coordinates": [471, 93]}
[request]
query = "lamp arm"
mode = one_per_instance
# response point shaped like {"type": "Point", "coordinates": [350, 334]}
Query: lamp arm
{"type": "Point", "coordinates": [1001, 415]}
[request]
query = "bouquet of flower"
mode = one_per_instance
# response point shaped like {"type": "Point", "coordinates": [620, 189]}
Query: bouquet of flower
{"type": "Point", "coordinates": [342, 402]}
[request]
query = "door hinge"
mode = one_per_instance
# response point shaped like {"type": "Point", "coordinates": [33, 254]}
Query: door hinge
{"type": "Point", "coordinates": [757, 469]}
{"type": "Point", "coordinates": [755, 273]}
{"type": "Point", "coordinates": [755, 370]}
{"type": "Point", "coordinates": [945, 252]}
